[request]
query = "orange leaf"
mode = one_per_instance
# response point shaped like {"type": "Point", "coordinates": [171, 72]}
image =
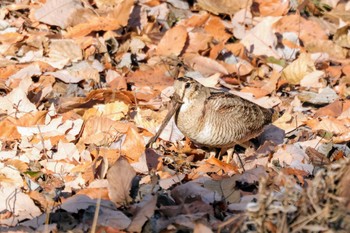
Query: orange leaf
{"type": "Point", "coordinates": [172, 42]}
{"type": "Point", "coordinates": [216, 28]}
{"type": "Point", "coordinates": [133, 145]}
{"type": "Point", "coordinates": [224, 166]}
{"type": "Point", "coordinates": [116, 20]}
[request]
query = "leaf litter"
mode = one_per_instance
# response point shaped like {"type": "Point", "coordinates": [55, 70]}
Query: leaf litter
{"type": "Point", "coordinates": [86, 85]}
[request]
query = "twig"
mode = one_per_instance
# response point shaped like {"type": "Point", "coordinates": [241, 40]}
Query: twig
{"type": "Point", "coordinates": [175, 105]}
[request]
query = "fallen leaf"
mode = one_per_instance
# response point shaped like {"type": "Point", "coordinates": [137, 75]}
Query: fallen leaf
{"type": "Point", "coordinates": [223, 7]}
{"type": "Point", "coordinates": [133, 145]}
{"type": "Point", "coordinates": [172, 42]}
{"type": "Point", "coordinates": [118, 18]}
{"type": "Point", "coordinates": [57, 12]}
{"type": "Point", "coordinates": [216, 29]}
{"type": "Point", "coordinates": [308, 30]}
{"type": "Point", "coordinates": [226, 188]}
{"type": "Point", "coordinates": [325, 96]}
{"type": "Point", "coordinates": [144, 213]}
{"type": "Point", "coordinates": [272, 7]}
{"type": "Point", "coordinates": [298, 69]}
{"type": "Point", "coordinates": [204, 65]}
{"type": "Point", "coordinates": [261, 40]}
{"type": "Point", "coordinates": [119, 177]}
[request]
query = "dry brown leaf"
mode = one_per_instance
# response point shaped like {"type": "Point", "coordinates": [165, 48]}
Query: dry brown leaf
{"type": "Point", "coordinates": [329, 124]}
{"type": "Point", "coordinates": [62, 52]}
{"type": "Point", "coordinates": [308, 31]}
{"type": "Point", "coordinates": [289, 122]}
{"type": "Point", "coordinates": [224, 6]}
{"type": "Point", "coordinates": [94, 97]}
{"type": "Point", "coordinates": [226, 188]}
{"type": "Point", "coordinates": [204, 65]}
{"type": "Point", "coordinates": [95, 193]}
{"type": "Point", "coordinates": [155, 77]}
{"type": "Point", "coordinates": [300, 174]}
{"type": "Point", "coordinates": [22, 207]}
{"type": "Point", "coordinates": [144, 213]}
{"type": "Point", "coordinates": [105, 4]}
{"type": "Point", "coordinates": [118, 18]}
{"type": "Point", "coordinates": [216, 29]}
{"type": "Point", "coordinates": [119, 177]}
{"type": "Point", "coordinates": [228, 168]}
{"type": "Point", "coordinates": [198, 41]}
{"type": "Point", "coordinates": [172, 42]}
{"type": "Point", "coordinates": [325, 96]}
{"type": "Point", "coordinates": [326, 46]}
{"type": "Point", "coordinates": [296, 71]}
{"type": "Point", "coordinates": [133, 145]}
{"type": "Point", "coordinates": [257, 92]}
{"type": "Point", "coordinates": [57, 12]}
{"type": "Point", "coordinates": [314, 79]}
{"type": "Point", "coordinates": [11, 38]}
{"type": "Point", "coordinates": [272, 7]}
{"type": "Point", "coordinates": [332, 110]}
{"type": "Point", "coordinates": [102, 131]}
{"type": "Point", "coordinates": [293, 156]}
{"type": "Point", "coordinates": [261, 40]}
{"type": "Point", "coordinates": [201, 228]}
{"type": "Point", "coordinates": [18, 164]}
{"type": "Point", "coordinates": [196, 20]}
{"type": "Point", "coordinates": [114, 111]}
{"type": "Point", "coordinates": [9, 124]}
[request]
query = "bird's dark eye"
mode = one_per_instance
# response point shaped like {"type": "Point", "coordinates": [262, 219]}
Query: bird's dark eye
{"type": "Point", "coordinates": [187, 85]}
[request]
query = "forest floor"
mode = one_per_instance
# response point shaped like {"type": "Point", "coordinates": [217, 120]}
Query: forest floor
{"type": "Point", "coordinates": [86, 84]}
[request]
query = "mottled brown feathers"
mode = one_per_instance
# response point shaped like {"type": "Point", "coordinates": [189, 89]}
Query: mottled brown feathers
{"type": "Point", "coordinates": [217, 119]}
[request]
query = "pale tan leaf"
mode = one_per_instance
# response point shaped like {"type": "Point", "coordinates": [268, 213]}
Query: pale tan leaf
{"type": "Point", "coordinates": [16, 103]}
{"type": "Point", "coordinates": [226, 188]}
{"type": "Point", "coordinates": [325, 96]}
{"type": "Point", "coordinates": [62, 52]}
{"type": "Point", "coordinates": [170, 181]}
{"type": "Point", "coordinates": [261, 39]}
{"type": "Point", "coordinates": [114, 111]}
{"type": "Point", "coordinates": [313, 79]}
{"type": "Point", "coordinates": [224, 6]}
{"type": "Point", "coordinates": [289, 122]}
{"type": "Point", "coordinates": [298, 69]}
{"type": "Point", "coordinates": [204, 65]}
{"type": "Point", "coordinates": [328, 124]}
{"type": "Point", "coordinates": [66, 151]}
{"type": "Point", "coordinates": [57, 12]}
{"type": "Point", "coordinates": [201, 228]}
{"type": "Point", "coordinates": [23, 206]}
{"type": "Point", "coordinates": [293, 156]}
{"type": "Point", "coordinates": [119, 177]}
{"type": "Point", "coordinates": [102, 130]}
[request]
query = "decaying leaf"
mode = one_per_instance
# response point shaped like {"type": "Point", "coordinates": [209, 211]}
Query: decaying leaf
{"type": "Point", "coordinates": [173, 42]}
{"type": "Point", "coordinates": [119, 177]}
{"type": "Point", "coordinates": [298, 69]}
{"type": "Point", "coordinates": [223, 7]}
{"type": "Point", "coordinates": [58, 13]}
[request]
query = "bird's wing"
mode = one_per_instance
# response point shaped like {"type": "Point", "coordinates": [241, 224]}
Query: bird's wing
{"type": "Point", "coordinates": [224, 101]}
{"type": "Point", "coordinates": [235, 107]}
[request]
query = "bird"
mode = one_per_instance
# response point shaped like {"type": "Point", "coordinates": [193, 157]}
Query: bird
{"type": "Point", "coordinates": [217, 119]}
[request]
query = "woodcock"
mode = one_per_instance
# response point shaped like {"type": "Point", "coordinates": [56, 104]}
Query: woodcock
{"type": "Point", "coordinates": [217, 119]}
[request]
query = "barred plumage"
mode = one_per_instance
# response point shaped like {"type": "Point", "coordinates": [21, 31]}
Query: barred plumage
{"type": "Point", "coordinates": [217, 119]}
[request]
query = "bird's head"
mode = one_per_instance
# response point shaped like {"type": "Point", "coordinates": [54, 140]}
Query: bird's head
{"type": "Point", "coordinates": [188, 89]}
